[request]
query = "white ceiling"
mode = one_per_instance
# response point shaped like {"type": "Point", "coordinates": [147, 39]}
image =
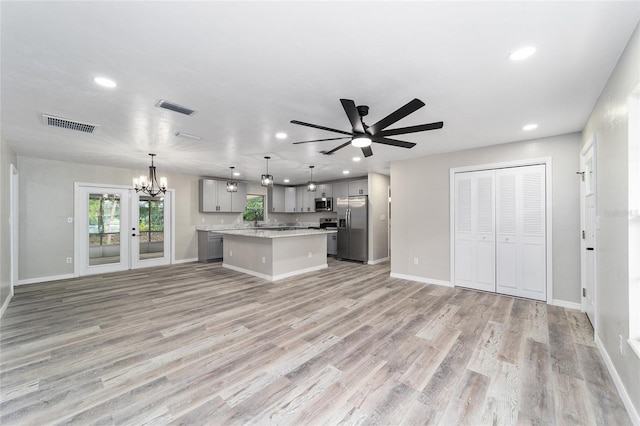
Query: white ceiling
{"type": "Point", "coordinates": [250, 68]}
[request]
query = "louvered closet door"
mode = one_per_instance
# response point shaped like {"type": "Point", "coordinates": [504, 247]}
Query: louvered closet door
{"type": "Point", "coordinates": [474, 224]}
{"type": "Point", "coordinates": [521, 232]}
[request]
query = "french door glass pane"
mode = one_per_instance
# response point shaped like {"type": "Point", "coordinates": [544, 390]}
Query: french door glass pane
{"type": "Point", "coordinates": [104, 229]}
{"type": "Point", "coordinates": [151, 227]}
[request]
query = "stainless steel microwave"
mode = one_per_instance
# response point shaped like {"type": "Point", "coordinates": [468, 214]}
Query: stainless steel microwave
{"type": "Point", "coordinates": [324, 204]}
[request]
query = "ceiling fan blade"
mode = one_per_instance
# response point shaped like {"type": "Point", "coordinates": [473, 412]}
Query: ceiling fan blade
{"type": "Point", "coordinates": [315, 126]}
{"type": "Point", "coordinates": [392, 142]}
{"type": "Point", "coordinates": [320, 140]}
{"type": "Point", "coordinates": [397, 115]}
{"type": "Point", "coordinates": [367, 151]}
{"type": "Point", "coordinates": [411, 129]}
{"type": "Point", "coordinates": [337, 148]}
{"type": "Point", "coordinates": [352, 112]}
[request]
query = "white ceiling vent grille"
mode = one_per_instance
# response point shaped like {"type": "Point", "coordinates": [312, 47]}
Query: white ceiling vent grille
{"type": "Point", "coordinates": [52, 120]}
{"type": "Point", "coordinates": [174, 107]}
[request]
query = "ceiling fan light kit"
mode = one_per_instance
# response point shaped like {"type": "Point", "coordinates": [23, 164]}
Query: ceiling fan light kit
{"type": "Point", "coordinates": [362, 135]}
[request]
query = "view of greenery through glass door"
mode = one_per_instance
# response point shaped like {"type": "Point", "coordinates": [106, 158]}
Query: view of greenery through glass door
{"type": "Point", "coordinates": [151, 227]}
{"type": "Point", "coordinates": [104, 228]}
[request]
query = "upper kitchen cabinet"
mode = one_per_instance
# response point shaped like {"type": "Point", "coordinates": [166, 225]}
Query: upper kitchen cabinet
{"type": "Point", "coordinates": [275, 199]}
{"type": "Point", "coordinates": [340, 189]}
{"type": "Point", "coordinates": [290, 199]}
{"type": "Point", "coordinates": [359, 187]}
{"type": "Point", "coordinates": [215, 198]}
{"type": "Point", "coordinates": [325, 190]}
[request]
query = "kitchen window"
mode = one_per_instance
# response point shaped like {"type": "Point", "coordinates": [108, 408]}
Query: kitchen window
{"type": "Point", "coordinates": [255, 208]}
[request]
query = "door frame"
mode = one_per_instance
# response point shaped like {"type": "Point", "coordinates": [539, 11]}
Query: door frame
{"type": "Point", "coordinates": [590, 145]}
{"type": "Point", "coordinates": [79, 212]}
{"type": "Point", "coordinates": [547, 161]}
{"type": "Point", "coordinates": [14, 217]}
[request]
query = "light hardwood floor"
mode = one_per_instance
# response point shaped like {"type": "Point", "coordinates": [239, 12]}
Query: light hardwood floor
{"type": "Point", "coordinates": [199, 344]}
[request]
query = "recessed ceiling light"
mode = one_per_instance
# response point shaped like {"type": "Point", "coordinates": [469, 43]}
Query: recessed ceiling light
{"type": "Point", "coordinates": [105, 82]}
{"type": "Point", "coordinates": [236, 173]}
{"type": "Point", "coordinates": [286, 181]}
{"type": "Point", "coordinates": [531, 126]}
{"type": "Point", "coordinates": [345, 172]}
{"type": "Point", "coordinates": [281, 135]}
{"type": "Point", "coordinates": [356, 159]}
{"type": "Point", "coordinates": [522, 53]}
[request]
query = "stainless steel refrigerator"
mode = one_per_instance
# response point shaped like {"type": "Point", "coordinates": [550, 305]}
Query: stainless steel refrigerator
{"type": "Point", "coordinates": [353, 228]}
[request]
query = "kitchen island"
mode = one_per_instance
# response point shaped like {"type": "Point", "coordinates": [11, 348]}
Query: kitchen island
{"type": "Point", "coordinates": [275, 254]}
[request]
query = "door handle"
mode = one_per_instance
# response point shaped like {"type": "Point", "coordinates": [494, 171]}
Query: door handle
{"type": "Point", "coordinates": [590, 248]}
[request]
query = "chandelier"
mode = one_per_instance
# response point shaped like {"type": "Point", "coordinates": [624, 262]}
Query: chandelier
{"type": "Point", "coordinates": [149, 184]}
{"type": "Point", "coordinates": [266, 179]}
{"type": "Point", "coordinates": [311, 185]}
{"type": "Point", "coordinates": [232, 186]}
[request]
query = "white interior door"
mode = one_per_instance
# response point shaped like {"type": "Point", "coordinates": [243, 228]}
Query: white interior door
{"type": "Point", "coordinates": [14, 218]}
{"type": "Point", "coordinates": [474, 223]}
{"type": "Point", "coordinates": [589, 222]}
{"type": "Point", "coordinates": [521, 232]}
{"type": "Point", "coordinates": [150, 230]}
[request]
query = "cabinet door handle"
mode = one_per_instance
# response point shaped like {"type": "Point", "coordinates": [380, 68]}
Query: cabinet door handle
{"type": "Point", "coordinates": [590, 248]}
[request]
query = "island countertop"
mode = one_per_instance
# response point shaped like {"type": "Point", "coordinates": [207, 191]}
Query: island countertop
{"type": "Point", "coordinates": [272, 233]}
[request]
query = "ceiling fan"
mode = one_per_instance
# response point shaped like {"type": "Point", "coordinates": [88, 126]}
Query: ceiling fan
{"type": "Point", "coordinates": [362, 135]}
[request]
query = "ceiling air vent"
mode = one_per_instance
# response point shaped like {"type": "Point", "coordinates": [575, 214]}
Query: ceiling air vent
{"type": "Point", "coordinates": [52, 120]}
{"type": "Point", "coordinates": [174, 107]}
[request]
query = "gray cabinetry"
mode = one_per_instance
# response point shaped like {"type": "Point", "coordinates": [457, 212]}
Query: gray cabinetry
{"type": "Point", "coordinates": [332, 244]}
{"type": "Point", "coordinates": [290, 199]}
{"type": "Point", "coordinates": [324, 190]}
{"type": "Point", "coordinates": [215, 198]}
{"type": "Point", "coordinates": [209, 246]}
{"type": "Point", "coordinates": [276, 199]}
{"type": "Point", "coordinates": [340, 189]}
{"type": "Point", "coordinates": [359, 187]}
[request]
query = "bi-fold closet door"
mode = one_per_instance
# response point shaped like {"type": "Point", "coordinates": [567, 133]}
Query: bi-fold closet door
{"type": "Point", "coordinates": [500, 231]}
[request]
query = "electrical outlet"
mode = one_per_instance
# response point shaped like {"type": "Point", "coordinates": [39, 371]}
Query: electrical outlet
{"type": "Point", "coordinates": [69, 219]}
{"type": "Point", "coordinates": [264, 260]}
{"type": "Point", "coordinates": [415, 261]}
{"type": "Point", "coordinates": [221, 220]}
{"type": "Point", "coordinates": [309, 255]}
{"type": "Point", "coordinates": [622, 343]}
{"type": "Point", "coordinates": [69, 259]}
{"type": "Point", "coordinates": [202, 220]}
{"type": "Point", "coordinates": [230, 253]}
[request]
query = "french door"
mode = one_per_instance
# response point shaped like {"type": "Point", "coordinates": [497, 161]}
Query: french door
{"type": "Point", "coordinates": [118, 229]}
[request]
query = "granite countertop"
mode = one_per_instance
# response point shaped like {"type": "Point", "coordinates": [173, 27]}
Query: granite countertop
{"type": "Point", "coordinates": [218, 228]}
{"type": "Point", "coordinates": [272, 233]}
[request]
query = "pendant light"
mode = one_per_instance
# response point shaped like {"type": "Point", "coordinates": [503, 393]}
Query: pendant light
{"type": "Point", "coordinates": [232, 186]}
{"type": "Point", "coordinates": [266, 179]}
{"type": "Point", "coordinates": [149, 184]}
{"type": "Point", "coordinates": [311, 185]}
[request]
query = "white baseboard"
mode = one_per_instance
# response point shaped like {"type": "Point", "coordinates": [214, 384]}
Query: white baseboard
{"type": "Point", "coordinates": [274, 277]}
{"type": "Point", "coordinates": [44, 279]}
{"type": "Point", "coordinates": [193, 259]}
{"type": "Point", "coordinates": [421, 279]}
{"type": "Point", "coordinates": [6, 303]}
{"type": "Point", "coordinates": [626, 399]}
{"type": "Point", "coordinates": [377, 261]}
{"type": "Point", "coordinates": [565, 304]}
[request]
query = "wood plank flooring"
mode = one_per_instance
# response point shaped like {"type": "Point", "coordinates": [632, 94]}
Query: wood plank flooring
{"type": "Point", "coordinates": [200, 344]}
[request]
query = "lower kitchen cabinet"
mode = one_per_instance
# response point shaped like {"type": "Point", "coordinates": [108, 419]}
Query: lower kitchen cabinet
{"type": "Point", "coordinates": [209, 246]}
{"type": "Point", "coordinates": [332, 244]}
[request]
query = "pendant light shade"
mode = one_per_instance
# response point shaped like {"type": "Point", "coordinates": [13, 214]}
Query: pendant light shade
{"type": "Point", "coordinates": [311, 185]}
{"type": "Point", "coordinates": [149, 184]}
{"type": "Point", "coordinates": [266, 179]}
{"type": "Point", "coordinates": [232, 186]}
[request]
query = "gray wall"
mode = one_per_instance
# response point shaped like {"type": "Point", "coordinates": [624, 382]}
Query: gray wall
{"type": "Point", "coordinates": [46, 200]}
{"type": "Point", "coordinates": [378, 216]}
{"type": "Point", "coordinates": [7, 157]}
{"type": "Point", "coordinates": [420, 209]}
{"type": "Point", "coordinates": [609, 121]}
